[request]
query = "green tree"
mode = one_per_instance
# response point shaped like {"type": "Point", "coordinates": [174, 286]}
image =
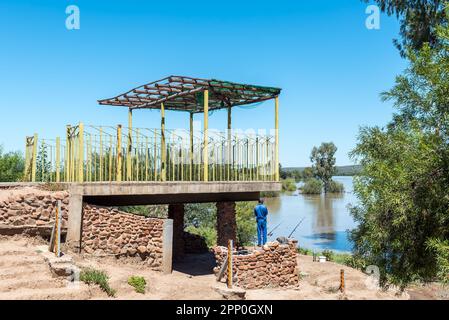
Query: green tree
{"type": "Point", "coordinates": [12, 166]}
{"type": "Point", "coordinates": [307, 174]}
{"type": "Point", "coordinates": [323, 162]}
{"type": "Point", "coordinates": [418, 19]}
{"type": "Point", "coordinates": [403, 211]}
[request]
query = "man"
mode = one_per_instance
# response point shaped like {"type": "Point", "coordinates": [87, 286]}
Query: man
{"type": "Point", "coordinates": [261, 212]}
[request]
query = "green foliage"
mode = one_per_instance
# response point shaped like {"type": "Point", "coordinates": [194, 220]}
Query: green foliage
{"type": "Point", "coordinates": [98, 277]}
{"type": "Point", "coordinates": [43, 164]}
{"type": "Point", "coordinates": [148, 211]}
{"type": "Point", "coordinates": [304, 251]}
{"type": "Point", "coordinates": [208, 233]}
{"type": "Point", "coordinates": [288, 185]}
{"type": "Point", "coordinates": [138, 283]}
{"type": "Point", "coordinates": [246, 224]}
{"type": "Point", "coordinates": [312, 186]}
{"type": "Point", "coordinates": [307, 174]}
{"type": "Point", "coordinates": [418, 21]}
{"type": "Point", "coordinates": [403, 201]}
{"type": "Point", "coordinates": [269, 194]}
{"type": "Point", "coordinates": [336, 187]}
{"type": "Point", "coordinates": [12, 166]}
{"type": "Point", "coordinates": [441, 250]}
{"type": "Point", "coordinates": [323, 162]}
{"type": "Point", "coordinates": [201, 219]}
{"type": "Point", "coordinates": [329, 254]}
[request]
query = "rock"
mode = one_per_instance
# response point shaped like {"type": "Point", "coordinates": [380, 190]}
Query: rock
{"type": "Point", "coordinates": [141, 249]}
{"type": "Point", "coordinates": [235, 293]}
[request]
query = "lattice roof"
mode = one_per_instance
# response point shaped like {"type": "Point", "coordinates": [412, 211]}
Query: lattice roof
{"type": "Point", "coordinates": [186, 94]}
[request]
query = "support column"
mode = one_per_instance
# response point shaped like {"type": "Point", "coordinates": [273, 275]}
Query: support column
{"type": "Point", "coordinates": [176, 213]}
{"type": "Point", "coordinates": [34, 157]}
{"type": "Point", "coordinates": [228, 165]}
{"type": "Point", "coordinates": [276, 127]}
{"type": "Point", "coordinates": [206, 136]}
{"type": "Point", "coordinates": [129, 149]}
{"type": "Point", "coordinates": [163, 148]}
{"type": "Point", "coordinates": [191, 146]}
{"type": "Point", "coordinates": [75, 221]}
{"type": "Point", "coordinates": [118, 177]}
{"type": "Point", "coordinates": [167, 246]}
{"type": "Point", "coordinates": [226, 223]}
{"type": "Point", "coordinates": [81, 152]}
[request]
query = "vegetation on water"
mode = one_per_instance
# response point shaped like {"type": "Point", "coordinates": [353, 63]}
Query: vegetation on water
{"type": "Point", "coordinates": [312, 186]}
{"type": "Point", "coordinates": [12, 166]}
{"type": "Point", "coordinates": [98, 277]}
{"type": "Point", "coordinates": [288, 184]}
{"type": "Point", "coordinates": [402, 215]}
{"type": "Point", "coordinates": [201, 219]}
{"type": "Point", "coordinates": [323, 164]}
{"type": "Point", "coordinates": [138, 283]}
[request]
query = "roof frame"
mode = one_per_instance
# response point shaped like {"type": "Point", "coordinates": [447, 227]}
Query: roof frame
{"type": "Point", "coordinates": [181, 93]}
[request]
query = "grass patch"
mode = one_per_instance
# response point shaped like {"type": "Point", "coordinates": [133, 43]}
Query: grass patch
{"type": "Point", "coordinates": [138, 283]}
{"type": "Point", "coordinates": [98, 277]}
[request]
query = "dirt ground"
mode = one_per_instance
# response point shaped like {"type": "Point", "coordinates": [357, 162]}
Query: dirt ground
{"type": "Point", "coordinates": [25, 275]}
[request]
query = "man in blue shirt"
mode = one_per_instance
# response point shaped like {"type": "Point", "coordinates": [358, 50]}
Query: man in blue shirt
{"type": "Point", "coordinates": [261, 212]}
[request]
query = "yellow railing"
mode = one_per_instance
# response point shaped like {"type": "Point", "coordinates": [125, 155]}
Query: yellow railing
{"type": "Point", "coordinates": [104, 153]}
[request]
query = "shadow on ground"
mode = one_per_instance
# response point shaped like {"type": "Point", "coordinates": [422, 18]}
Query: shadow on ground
{"type": "Point", "coordinates": [195, 264]}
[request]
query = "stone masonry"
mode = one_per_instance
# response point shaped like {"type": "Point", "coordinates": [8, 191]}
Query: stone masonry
{"type": "Point", "coordinates": [226, 223]}
{"type": "Point", "coordinates": [275, 265]}
{"type": "Point", "coordinates": [108, 231]}
{"type": "Point", "coordinates": [29, 210]}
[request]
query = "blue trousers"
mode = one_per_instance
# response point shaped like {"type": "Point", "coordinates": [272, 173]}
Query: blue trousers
{"type": "Point", "coordinates": [261, 232]}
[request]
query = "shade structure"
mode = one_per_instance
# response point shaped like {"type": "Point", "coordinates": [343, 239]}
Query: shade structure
{"type": "Point", "coordinates": [181, 93]}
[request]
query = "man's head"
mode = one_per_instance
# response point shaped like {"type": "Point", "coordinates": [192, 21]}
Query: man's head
{"type": "Point", "coordinates": [261, 200]}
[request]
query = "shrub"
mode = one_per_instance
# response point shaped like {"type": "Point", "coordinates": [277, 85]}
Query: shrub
{"type": "Point", "coordinates": [312, 186]}
{"type": "Point", "coordinates": [304, 251]}
{"type": "Point", "coordinates": [335, 187]}
{"type": "Point", "coordinates": [208, 233]}
{"type": "Point", "coordinates": [138, 283]}
{"type": "Point", "coordinates": [329, 254]}
{"type": "Point", "coordinates": [288, 185]}
{"type": "Point", "coordinates": [98, 277]}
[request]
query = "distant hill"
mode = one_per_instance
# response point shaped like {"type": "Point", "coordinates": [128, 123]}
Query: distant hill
{"type": "Point", "coordinates": [341, 170]}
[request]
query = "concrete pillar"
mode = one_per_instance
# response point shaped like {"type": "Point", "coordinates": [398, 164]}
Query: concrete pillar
{"type": "Point", "coordinates": [75, 222]}
{"type": "Point", "coordinates": [167, 246]}
{"type": "Point", "coordinates": [176, 213]}
{"type": "Point", "coordinates": [226, 223]}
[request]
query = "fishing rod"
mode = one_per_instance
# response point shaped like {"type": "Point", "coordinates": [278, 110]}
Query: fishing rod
{"type": "Point", "coordinates": [296, 227]}
{"type": "Point", "coordinates": [272, 230]}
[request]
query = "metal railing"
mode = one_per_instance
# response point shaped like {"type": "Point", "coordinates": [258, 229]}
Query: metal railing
{"type": "Point", "coordinates": [104, 153]}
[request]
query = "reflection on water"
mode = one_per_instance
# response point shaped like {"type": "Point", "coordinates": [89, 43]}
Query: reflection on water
{"type": "Point", "coordinates": [326, 222]}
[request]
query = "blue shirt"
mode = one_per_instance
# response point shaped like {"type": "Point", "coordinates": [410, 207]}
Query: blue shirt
{"type": "Point", "coordinates": [261, 212]}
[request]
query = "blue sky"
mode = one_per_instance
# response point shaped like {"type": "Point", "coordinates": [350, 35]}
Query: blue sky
{"type": "Point", "coordinates": [330, 67]}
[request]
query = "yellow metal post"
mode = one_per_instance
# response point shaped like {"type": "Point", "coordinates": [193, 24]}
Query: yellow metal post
{"type": "Point", "coordinates": [146, 158]}
{"type": "Point", "coordinates": [276, 128]}
{"type": "Point", "coordinates": [68, 154]}
{"type": "Point", "coordinates": [129, 150]}
{"type": "Point", "coordinates": [110, 159]}
{"type": "Point", "coordinates": [191, 146]}
{"type": "Point", "coordinates": [163, 148]}
{"type": "Point", "coordinates": [27, 159]}
{"type": "Point", "coordinates": [81, 152]}
{"type": "Point", "coordinates": [58, 159]}
{"type": "Point", "coordinates": [101, 154]}
{"type": "Point", "coordinates": [119, 153]}
{"type": "Point", "coordinates": [137, 155]}
{"type": "Point", "coordinates": [229, 142]}
{"type": "Point", "coordinates": [206, 136]}
{"type": "Point", "coordinates": [33, 165]}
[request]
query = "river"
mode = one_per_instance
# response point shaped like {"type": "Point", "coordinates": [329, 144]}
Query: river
{"type": "Point", "coordinates": [326, 218]}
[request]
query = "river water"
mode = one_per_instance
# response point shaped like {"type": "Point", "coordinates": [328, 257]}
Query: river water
{"type": "Point", "coordinates": [326, 218]}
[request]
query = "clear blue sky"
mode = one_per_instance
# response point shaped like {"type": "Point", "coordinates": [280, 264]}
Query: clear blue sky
{"type": "Point", "coordinates": [330, 67]}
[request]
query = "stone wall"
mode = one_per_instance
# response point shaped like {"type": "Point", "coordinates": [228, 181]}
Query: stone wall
{"type": "Point", "coordinates": [274, 265]}
{"type": "Point", "coordinates": [108, 231]}
{"type": "Point", "coordinates": [31, 210]}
